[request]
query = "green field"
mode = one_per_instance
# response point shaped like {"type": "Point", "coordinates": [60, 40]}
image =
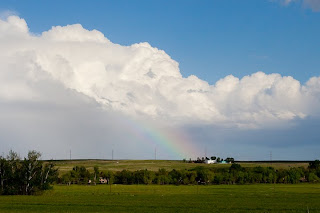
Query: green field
{"type": "Point", "coordinates": [153, 165]}
{"type": "Point", "coordinates": [168, 198]}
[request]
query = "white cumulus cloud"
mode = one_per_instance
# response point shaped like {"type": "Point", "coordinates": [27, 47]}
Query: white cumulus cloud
{"type": "Point", "coordinates": [140, 81]}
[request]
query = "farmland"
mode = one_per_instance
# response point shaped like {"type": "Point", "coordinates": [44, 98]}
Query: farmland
{"type": "Point", "coordinates": [169, 198]}
{"type": "Point", "coordinates": [263, 197]}
{"type": "Point", "coordinates": [155, 165]}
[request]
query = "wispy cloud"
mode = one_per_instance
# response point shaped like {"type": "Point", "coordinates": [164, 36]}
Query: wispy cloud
{"type": "Point", "coordinates": [314, 5]}
{"type": "Point", "coordinates": [4, 14]}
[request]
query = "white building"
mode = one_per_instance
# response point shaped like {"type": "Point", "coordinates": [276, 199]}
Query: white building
{"type": "Point", "coordinates": [103, 180]}
{"type": "Point", "coordinates": [210, 161]}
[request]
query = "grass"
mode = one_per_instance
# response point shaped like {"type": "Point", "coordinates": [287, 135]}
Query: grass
{"type": "Point", "coordinates": [168, 198]}
{"type": "Point", "coordinates": [153, 165]}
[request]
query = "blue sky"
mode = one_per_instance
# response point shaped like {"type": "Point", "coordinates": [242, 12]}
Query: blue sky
{"type": "Point", "coordinates": [209, 39]}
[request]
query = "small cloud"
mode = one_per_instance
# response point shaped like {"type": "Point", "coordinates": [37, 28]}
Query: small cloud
{"type": "Point", "coordinates": [283, 2]}
{"type": "Point", "coordinates": [314, 5]}
{"type": "Point", "coordinates": [287, 2]}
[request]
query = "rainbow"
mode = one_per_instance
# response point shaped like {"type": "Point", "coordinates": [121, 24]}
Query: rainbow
{"type": "Point", "coordinates": [174, 142]}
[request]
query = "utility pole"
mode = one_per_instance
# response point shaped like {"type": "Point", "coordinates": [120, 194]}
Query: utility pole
{"type": "Point", "coordinates": [205, 152]}
{"type": "Point", "coordinates": [271, 157]}
{"type": "Point", "coordinates": [112, 154]}
{"type": "Point", "coordinates": [70, 154]}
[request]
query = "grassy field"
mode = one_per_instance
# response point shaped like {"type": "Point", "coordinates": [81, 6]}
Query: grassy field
{"type": "Point", "coordinates": [168, 198]}
{"type": "Point", "coordinates": [153, 165]}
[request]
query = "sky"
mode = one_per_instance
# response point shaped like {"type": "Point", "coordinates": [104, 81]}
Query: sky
{"type": "Point", "coordinates": [161, 79]}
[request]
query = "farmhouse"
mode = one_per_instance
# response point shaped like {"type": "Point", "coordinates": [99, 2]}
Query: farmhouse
{"type": "Point", "coordinates": [103, 180]}
{"type": "Point", "coordinates": [208, 161]}
{"type": "Point", "coordinates": [213, 160]}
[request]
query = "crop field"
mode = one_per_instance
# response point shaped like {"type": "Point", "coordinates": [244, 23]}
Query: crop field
{"type": "Point", "coordinates": [132, 165]}
{"type": "Point", "coordinates": [153, 165]}
{"type": "Point", "coordinates": [168, 198]}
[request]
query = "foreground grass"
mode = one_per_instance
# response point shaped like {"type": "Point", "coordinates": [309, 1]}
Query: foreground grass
{"type": "Point", "coordinates": [153, 165]}
{"type": "Point", "coordinates": [147, 198]}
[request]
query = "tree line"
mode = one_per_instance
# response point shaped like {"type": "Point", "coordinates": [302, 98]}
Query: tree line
{"type": "Point", "coordinates": [214, 158]}
{"type": "Point", "coordinates": [25, 176]}
{"type": "Point", "coordinates": [235, 174]}
{"type": "Point", "coordinates": [31, 175]}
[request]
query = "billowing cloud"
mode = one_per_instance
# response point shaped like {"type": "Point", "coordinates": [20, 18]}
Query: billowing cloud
{"type": "Point", "coordinates": [140, 81]}
{"type": "Point", "coordinates": [71, 88]}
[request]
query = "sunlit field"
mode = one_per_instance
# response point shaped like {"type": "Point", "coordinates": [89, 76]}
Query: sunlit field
{"type": "Point", "coordinates": [168, 198]}
{"type": "Point", "coordinates": [154, 165]}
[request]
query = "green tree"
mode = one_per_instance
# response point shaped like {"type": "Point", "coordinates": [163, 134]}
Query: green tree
{"type": "Point", "coordinates": [95, 174]}
{"type": "Point", "coordinates": [31, 171]}
{"type": "Point", "coordinates": [48, 175]}
{"type": "Point", "coordinates": [162, 177]}
{"type": "Point", "coordinates": [26, 176]}
{"type": "Point", "coordinates": [107, 175]}
{"type": "Point", "coordinates": [313, 178]}
{"type": "Point", "coordinates": [314, 164]}
{"type": "Point", "coordinates": [4, 173]}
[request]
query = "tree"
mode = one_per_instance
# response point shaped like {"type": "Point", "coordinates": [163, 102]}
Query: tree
{"type": "Point", "coordinates": [107, 175]}
{"type": "Point", "coordinates": [124, 177]}
{"type": "Point", "coordinates": [48, 175]}
{"type": "Point", "coordinates": [294, 175]}
{"type": "Point", "coordinates": [213, 157]}
{"type": "Point", "coordinates": [162, 177]}
{"type": "Point", "coordinates": [143, 177]}
{"type": "Point", "coordinates": [312, 177]}
{"type": "Point", "coordinates": [26, 176]}
{"type": "Point", "coordinates": [31, 168]}
{"type": "Point", "coordinates": [95, 174]}
{"type": "Point", "coordinates": [176, 177]}
{"type": "Point", "coordinates": [14, 182]}
{"type": "Point", "coordinates": [13, 156]}
{"type": "Point", "coordinates": [204, 176]}
{"type": "Point", "coordinates": [192, 175]}
{"type": "Point", "coordinates": [66, 178]}
{"type": "Point", "coordinates": [314, 164]}
{"type": "Point", "coordinates": [229, 160]}
{"type": "Point", "coordinates": [236, 167]}
{"type": "Point", "coordinates": [4, 173]}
